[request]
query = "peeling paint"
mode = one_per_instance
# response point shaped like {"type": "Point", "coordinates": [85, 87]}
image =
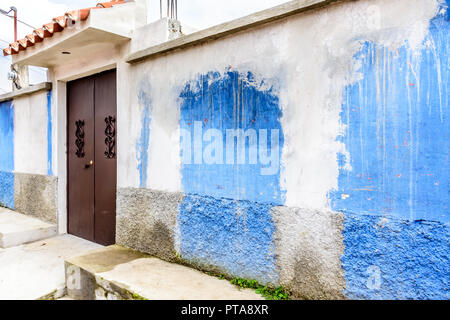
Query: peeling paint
{"type": "Point", "coordinates": [142, 145]}
{"type": "Point", "coordinates": [397, 131]}
{"type": "Point", "coordinates": [225, 219]}
{"type": "Point", "coordinates": [7, 154]}
{"type": "Point", "coordinates": [49, 135]}
{"type": "Point", "coordinates": [223, 103]}
{"type": "Point", "coordinates": [228, 236]}
{"type": "Point", "coordinates": [395, 259]}
{"type": "Point", "coordinates": [396, 232]}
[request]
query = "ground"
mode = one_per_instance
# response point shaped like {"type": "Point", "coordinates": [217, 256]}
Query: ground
{"type": "Point", "coordinates": [33, 270]}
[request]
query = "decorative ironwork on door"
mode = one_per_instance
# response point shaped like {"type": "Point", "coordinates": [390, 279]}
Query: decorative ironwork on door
{"type": "Point", "coordinates": [79, 142]}
{"type": "Point", "coordinates": [110, 140]}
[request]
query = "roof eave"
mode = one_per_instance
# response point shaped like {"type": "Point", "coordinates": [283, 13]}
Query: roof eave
{"type": "Point", "coordinates": [101, 29]}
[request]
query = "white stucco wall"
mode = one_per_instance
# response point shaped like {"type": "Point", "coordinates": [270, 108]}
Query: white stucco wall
{"type": "Point", "coordinates": [311, 57]}
{"type": "Point", "coordinates": [309, 54]}
{"type": "Point", "coordinates": [30, 134]}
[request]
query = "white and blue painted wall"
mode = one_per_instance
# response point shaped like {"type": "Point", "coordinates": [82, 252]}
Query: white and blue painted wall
{"type": "Point", "coordinates": [310, 152]}
{"type": "Point", "coordinates": [27, 182]}
{"type": "Point", "coordinates": [395, 197]}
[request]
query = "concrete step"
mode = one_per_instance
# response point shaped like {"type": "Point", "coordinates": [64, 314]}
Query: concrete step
{"type": "Point", "coordinates": [118, 273]}
{"type": "Point", "coordinates": [17, 229]}
{"type": "Point", "coordinates": [36, 270]}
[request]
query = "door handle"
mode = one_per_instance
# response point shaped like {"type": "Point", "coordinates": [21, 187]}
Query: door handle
{"type": "Point", "coordinates": [88, 165]}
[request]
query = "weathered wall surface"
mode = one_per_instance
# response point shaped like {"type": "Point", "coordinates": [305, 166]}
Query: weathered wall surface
{"type": "Point", "coordinates": [7, 154]}
{"type": "Point", "coordinates": [26, 162]}
{"type": "Point", "coordinates": [31, 135]}
{"type": "Point", "coordinates": [395, 188]}
{"type": "Point", "coordinates": [311, 152]}
{"type": "Point", "coordinates": [230, 192]}
{"type": "Point", "coordinates": [36, 195]}
{"type": "Point", "coordinates": [309, 245]}
{"type": "Point", "coordinates": [146, 220]}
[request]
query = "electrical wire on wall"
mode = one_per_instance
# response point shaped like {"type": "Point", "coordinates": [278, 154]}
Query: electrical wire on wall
{"type": "Point", "coordinates": [39, 73]}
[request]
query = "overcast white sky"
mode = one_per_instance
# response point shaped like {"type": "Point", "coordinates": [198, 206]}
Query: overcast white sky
{"type": "Point", "coordinates": [196, 13]}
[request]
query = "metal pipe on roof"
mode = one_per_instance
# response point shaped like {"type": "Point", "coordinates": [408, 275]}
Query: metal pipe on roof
{"type": "Point", "coordinates": [15, 23]}
{"type": "Point", "coordinates": [6, 13]}
{"type": "Point", "coordinates": [172, 9]}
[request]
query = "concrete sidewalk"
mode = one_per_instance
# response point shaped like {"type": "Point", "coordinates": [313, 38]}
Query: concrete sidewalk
{"type": "Point", "coordinates": [17, 229]}
{"type": "Point", "coordinates": [116, 272]}
{"type": "Point", "coordinates": [36, 269]}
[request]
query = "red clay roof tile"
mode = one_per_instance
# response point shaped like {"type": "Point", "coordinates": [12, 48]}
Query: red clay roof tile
{"type": "Point", "coordinates": [31, 39]}
{"type": "Point", "coordinates": [78, 15]}
{"type": "Point", "coordinates": [28, 42]}
{"type": "Point", "coordinates": [61, 21]}
{"type": "Point", "coordinates": [22, 44]}
{"type": "Point", "coordinates": [58, 24]}
{"type": "Point", "coordinates": [38, 35]}
{"type": "Point", "coordinates": [7, 51]}
{"type": "Point", "coordinates": [14, 47]}
{"type": "Point", "coordinates": [107, 4]}
{"type": "Point", "coordinates": [51, 27]}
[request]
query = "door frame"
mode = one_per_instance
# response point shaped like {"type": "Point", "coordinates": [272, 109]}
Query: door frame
{"type": "Point", "coordinates": [59, 101]}
{"type": "Point", "coordinates": [102, 225]}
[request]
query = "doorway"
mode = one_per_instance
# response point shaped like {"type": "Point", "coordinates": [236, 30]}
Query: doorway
{"type": "Point", "coordinates": [91, 139]}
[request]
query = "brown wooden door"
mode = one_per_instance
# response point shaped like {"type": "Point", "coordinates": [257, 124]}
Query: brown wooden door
{"type": "Point", "coordinates": [91, 106]}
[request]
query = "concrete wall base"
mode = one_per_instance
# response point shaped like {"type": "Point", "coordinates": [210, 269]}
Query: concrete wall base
{"type": "Point", "coordinates": [146, 221]}
{"type": "Point", "coordinates": [36, 196]}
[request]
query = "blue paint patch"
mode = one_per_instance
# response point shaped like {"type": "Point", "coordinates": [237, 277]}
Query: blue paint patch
{"type": "Point", "coordinates": [234, 236]}
{"type": "Point", "coordinates": [7, 189]}
{"type": "Point", "coordinates": [224, 102]}
{"type": "Point", "coordinates": [7, 154]}
{"type": "Point", "coordinates": [397, 135]}
{"type": "Point", "coordinates": [396, 196]}
{"type": "Point", "coordinates": [225, 220]}
{"type": "Point", "coordinates": [143, 142]}
{"type": "Point", "coordinates": [49, 135]}
{"type": "Point", "coordinates": [411, 258]}
{"type": "Point", "coordinates": [7, 136]}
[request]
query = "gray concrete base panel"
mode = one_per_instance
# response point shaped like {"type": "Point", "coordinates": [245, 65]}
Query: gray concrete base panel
{"type": "Point", "coordinates": [308, 247]}
{"type": "Point", "coordinates": [308, 243]}
{"type": "Point", "coordinates": [36, 195]}
{"type": "Point", "coordinates": [79, 282]}
{"type": "Point", "coordinates": [146, 221]}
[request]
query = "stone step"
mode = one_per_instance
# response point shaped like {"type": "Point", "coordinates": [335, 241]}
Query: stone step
{"type": "Point", "coordinates": [36, 270]}
{"type": "Point", "coordinates": [116, 272]}
{"type": "Point", "coordinates": [17, 229]}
